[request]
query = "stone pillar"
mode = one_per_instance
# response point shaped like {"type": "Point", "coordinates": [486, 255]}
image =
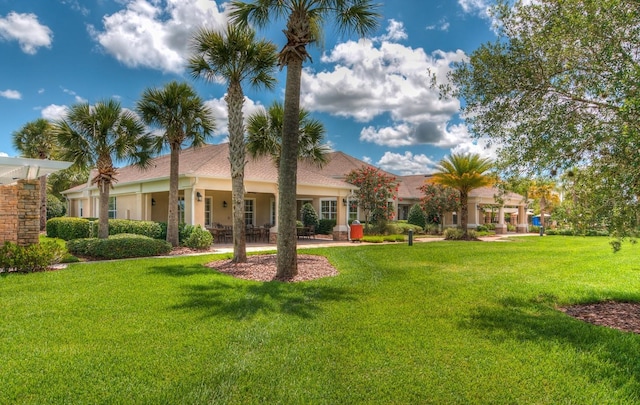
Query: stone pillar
{"type": "Point", "coordinates": [522, 220]}
{"type": "Point", "coordinates": [28, 212]}
{"type": "Point", "coordinates": [8, 217]}
{"type": "Point", "coordinates": [501, 228]}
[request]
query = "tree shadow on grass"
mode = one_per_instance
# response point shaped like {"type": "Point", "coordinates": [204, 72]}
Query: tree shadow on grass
{"type": "Point", "coordinates": [538, 321]}
{"type": "Point", "coordinates": [240, 300]}
{"type": "Point", "coordinates": [244, 301]}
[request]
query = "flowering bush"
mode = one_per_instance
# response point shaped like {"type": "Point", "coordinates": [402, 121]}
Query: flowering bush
{"type": "Point", "coordinates": [438, 200]}
{"type": "Point", "coordinates": [376, 193]}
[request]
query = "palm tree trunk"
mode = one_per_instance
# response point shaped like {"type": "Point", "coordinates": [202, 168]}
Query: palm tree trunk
{"type": "Point", "coordinates": [43, 203]}
{"type": "Point", "coordinates": [235, 100]}
{"type": "Point", "coordinates": [464, 213]}
{"type": "Point", "coordinates": [103, 217]}
{"type": "Point", "coordinates": [172, 220]}
{"type": "Point", "coordinates": [287, 175]}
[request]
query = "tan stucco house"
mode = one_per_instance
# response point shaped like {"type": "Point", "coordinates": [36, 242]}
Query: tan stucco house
{"type": "Point", "coordinates": [205, 190]}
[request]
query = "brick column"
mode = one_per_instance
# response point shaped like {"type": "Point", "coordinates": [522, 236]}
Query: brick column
{"type": "Point", "coordinates": [8, 209]}
{"type": "Point", "coordinates": [28, 212]}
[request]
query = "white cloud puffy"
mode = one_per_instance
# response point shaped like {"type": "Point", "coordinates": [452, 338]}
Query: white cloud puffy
{"type": "Point", "coordinates": [54, 112]}
{"type": "Point", "coordinates": [3, 154]}
{"type": "Point", "coordinates": [406, 164]}
{"type": "Point", "coordinates": [479, 7]}
{"type": "Point", "coordinates": [370, 80]}
{"type": "Point", "coordinates": [27, 30]}
{"type": "Point", "coordinates": [395, 32]}
{"type": "Point", "coordinates": [156, 33]}
{"type": "Point", "coordinates": [11, 94]}
{"type": "Point", "coordinates": [218, 108]}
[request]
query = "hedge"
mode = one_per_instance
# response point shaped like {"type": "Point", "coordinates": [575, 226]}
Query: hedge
{"type": "Point", "coordinates": [118, 247]}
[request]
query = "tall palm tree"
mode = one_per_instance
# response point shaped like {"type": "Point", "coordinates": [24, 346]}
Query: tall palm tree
{"type": "Point", "coordinates": [37, 140]}
{"type": "Point", "coordinates": [95, 136]}
{"type": "Point", "coordinates": [304, 27]}
{"type": "Point", "coordinates": [264, 135]}
{"type": "Point", "coordinates": [463, 172]}
{"type": "Point", "coordinates": [177, 110]}
{"type": "Point", "coordinates": [236, 57]}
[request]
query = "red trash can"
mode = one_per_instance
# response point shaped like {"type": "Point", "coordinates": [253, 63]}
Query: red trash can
{"type": "Point", "coordinates": [356, 231]}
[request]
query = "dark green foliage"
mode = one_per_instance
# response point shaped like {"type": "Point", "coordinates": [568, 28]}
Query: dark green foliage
{"type": "Point", "coordinates": [68, 228]}
{"type": "Point", "coordinates": [417, 216]}
{"type": "Point", "coordinates": [36, 257]}
{"type": "Point", "coordinates": [458, 234]}
{"type": "Point", "coordinates": [482, 228]}
{"type": "Point", "coordinates": [117, 226]}
{"type": "Point", "coordinates": [309, 215]}
{"type": "Point", "coordinates": [118, 247]}
{"type": "Point", "coordinates": [325, 226]}
{"type": "Point", "coordinates": [184, 231]}
{"type": "Point", "coordinates": [199, 238]}
{"type": "Point", "coordinates": [55, 207]}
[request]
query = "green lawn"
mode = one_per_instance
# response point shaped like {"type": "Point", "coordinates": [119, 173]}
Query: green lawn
{"type": "Point", "coordinates": [441, 322]}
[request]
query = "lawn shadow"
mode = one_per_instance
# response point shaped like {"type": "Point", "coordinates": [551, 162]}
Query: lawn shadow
{"type": "Point", "coordinates": [237, 299]}
{"type": "Point", "coordinates": [537, 320]}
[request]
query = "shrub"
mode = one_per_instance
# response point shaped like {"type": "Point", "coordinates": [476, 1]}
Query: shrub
{"type": "Point", "coordinates": [67, 228]}
{"type": "Point", "coordinates": [372, 239]}
{"type": "Point", "coordinates": [457, 234]}
{"type": "Point", "coordinates": [325, 226]}
{"type": "Point", "coordinates": [416, 216]}
{"type": "Point", "coordinates": [119, 246]}
{"type": "Point", "coordinates": [36, 257]}
{"type": "Point", "coordinates": [117, 226]}
{"type": "Point", "coordinates": [55, 207]}
{"type": "Point", "coordinates": [482, 228]}
{"type": "Point", "coordinates": [309, 215]}
{"type": "Point", "coordinates": [199, 239]}
{"type": "Point", "coordinates": [403, 228]}
{"type": "Point", "coordinates": [393, 238]}
{"type": "Point", "coordinates": [534, 229]}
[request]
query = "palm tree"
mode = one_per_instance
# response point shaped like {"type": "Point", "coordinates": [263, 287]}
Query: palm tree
{"type": "Point", "coordinates": [304, 27]}
{"type": "Point", "coordinates": [463, 172]}
{"type": "Point", "coordinates": [95, 136]}
{"type": "Point", "coordinates": [264, 135]}
{"type": "Point", "coordinates": [36, 140]}
{"type": "Point", "coordinates": [237, 57]}
{"type": "Point", "coordinates": [183, 116]}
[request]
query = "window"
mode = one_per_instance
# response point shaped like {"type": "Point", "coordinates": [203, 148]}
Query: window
{"type": "Point", "coordinates": [273, 211]}
{"type": "Point", "coordinates": [249, 214]}
{"type": "Point", "coordinates": [455, 218]}
{"type": "Point", "coordinates": [353, 210]}
{"type": "Point", "coordinates": [112, 207]}
{"type": "Point", "coordinates": [328, 209]}
{"type": "Point", "coordinates": [80, 207]}
{"type": "Point", "coordinates": [208, 203]}
{"type": "Point", "coordinates": [181, 209]}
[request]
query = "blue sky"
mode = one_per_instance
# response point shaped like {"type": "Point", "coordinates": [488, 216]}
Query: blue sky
{"type": "Point", "coordinates": [372, 95]}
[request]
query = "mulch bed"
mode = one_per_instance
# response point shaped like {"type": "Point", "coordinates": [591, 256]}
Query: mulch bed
{"type": "Point", "coordinates": [624, 316]}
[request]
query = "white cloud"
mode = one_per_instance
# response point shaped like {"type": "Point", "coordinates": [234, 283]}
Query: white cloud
{"type": "Point", "coordinates": [395, 32]}
{"type": "Point", "coordinates": [218, 108]}
{"type": "Point", "coordinates": [76, 97]}
{"type": "Point", "coordinates": [27, 30]}
{"type": "Point", "coordinates": [76, 6]}
{"type": "Point", "coordinates": [406, 164]}
{"type": "Point", "coordinates": [479, 7]}
{"type": "Point", "coordinates": [4, 154]}
{"type": "Point", "coordinates": [11, 94]}
{"type": "Point", "coordinates": [155, 33]}
{"type": "Point", "coordinates": [442, 25]}
{"type": "Point", "coordinates": [370, 80]}
{"type": "Point", "coordinates": [54, 112]}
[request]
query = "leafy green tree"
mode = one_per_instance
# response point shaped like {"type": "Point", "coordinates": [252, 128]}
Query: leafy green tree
{"type": "Point", "coordinates": [544, 194]}
{"type": "Point", "coordinates": [463, 172]}
{"type": "Point", "coordinates": [236, 57]}
{"type": "Point", "coordinates": [95, 136]}
{"type": "Point", "coordinates": [438, 200]}
{"type": "Point", "coordinates": [309, 215]}
{"type": "Point", "coordinates": [177, 110]}
{"type": "Point", "coordinates": [55, 207]}
{"type": "Point", "coordinates": [304, 27]}
{"type": "Point", "coordinates": [417, 216]}
{"type": "Point", "coordinates": [37, 140]}
{"type": "Point", "coordinates": [376, 190]}
{"type": "Point", "coordinates": [264, 135]}
{"type": "Point", "coordinates": [559, 89]}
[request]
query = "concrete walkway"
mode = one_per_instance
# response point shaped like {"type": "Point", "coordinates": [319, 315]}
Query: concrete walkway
{"type": "Point", "coordinates": [323, 243]}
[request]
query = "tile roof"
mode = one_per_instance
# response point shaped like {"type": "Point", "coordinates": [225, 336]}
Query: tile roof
{"type": "Point", "coordinates": [212, 161]}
